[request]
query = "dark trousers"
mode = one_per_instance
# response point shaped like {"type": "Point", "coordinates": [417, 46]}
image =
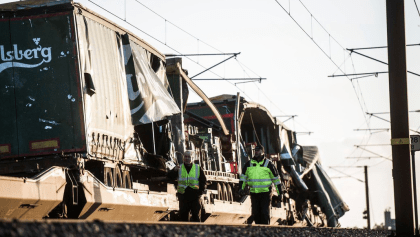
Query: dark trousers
{"type": "Point", "coordinates": [187, 206]}
{"type": "Point", "coordinates": [260, 203]}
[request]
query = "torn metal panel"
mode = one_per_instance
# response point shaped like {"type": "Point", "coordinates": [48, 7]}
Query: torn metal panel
{"type": "Point", "coordinates": [111, 25]}
{"type": "Point", "coordinates": [149, 99]}
{"type": "Point", "coordinates": [107, 112]}
{"type": "Point", "coordinates": [328, 195]}
{"type": "Point", "coordinates": [205, 98]}
{"type": "Point", "coordinates": [310, 158]}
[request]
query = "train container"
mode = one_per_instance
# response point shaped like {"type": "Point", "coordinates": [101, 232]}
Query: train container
{"type": "Point", "coordinates": [94, 119]}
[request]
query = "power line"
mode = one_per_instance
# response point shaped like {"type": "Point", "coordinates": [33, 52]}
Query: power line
{"type": "Point", "coordinates": [233, 56]}
{"type": "Point", "coordinates": [379, 61]}
{"type": "Point", "coordinates": [358, 74]}
{"type": "Point", "coordinates": [347, 175]}
{"type": "Point", "coordinates": [380, 47]}
{"type": "Point", "coordinates": [376, 154]}
{"type": "Point", "coordinates": [355, 85]}
{"type": "Point", "coordinates": [326, 54]}
{"type": "Point", "coordinates": [371, 114]}
{"type": "Point", "coordinates": [411, 111]}
{"type": "Point", "coordinates": [417, 7]}
{"type": "Point", "coordinates": [164, 42]}
{"type": "Point", "coordinates": [241, 64]}
{"type": "Point", "coordinates": [372, 129]}
{"type": "Point", "coordinates": [199, 54]}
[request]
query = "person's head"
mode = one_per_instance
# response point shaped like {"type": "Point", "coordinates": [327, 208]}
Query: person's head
{"type": "Point", "coordinates": [259, 152]}
{"type": "Point", "coordinates": [188, 157]}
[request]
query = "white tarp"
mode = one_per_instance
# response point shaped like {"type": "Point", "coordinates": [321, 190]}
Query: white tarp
{"type": "Point", "coordinates": [149, 98]}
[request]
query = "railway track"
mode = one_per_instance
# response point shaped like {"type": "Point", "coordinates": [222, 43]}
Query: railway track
{"type": "Point", "coordinates": [57, 227]}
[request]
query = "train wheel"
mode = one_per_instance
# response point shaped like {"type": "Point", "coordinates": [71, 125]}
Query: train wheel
{"type": "Point", "coordinates": [219, 192]}
{"type": "Point", "coordinates": [126, 179]}
{"type": "Point", "coordinates": [118, 182]}
{"type": "Point", "coordinates": [108, 177]}
{"type": "Point", "coordinates": [225, 192]}
{"type": "Point", "coordinates": [204, 160]}
{"type": "Point", "coordinates": [229, 193]}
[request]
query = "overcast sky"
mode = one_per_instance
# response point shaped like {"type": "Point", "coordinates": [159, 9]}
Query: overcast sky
{"type": "Point", "coordinates": [273, 46]}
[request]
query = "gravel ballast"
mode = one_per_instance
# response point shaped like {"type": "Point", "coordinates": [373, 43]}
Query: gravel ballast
{"type": "Point", "coordinates": [99, 228]}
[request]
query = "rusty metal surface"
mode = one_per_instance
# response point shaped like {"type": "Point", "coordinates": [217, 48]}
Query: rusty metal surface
{"type": "Point", "coordinates": [31, 198]}
{"type": "Point", "coordinates": [106, 111]}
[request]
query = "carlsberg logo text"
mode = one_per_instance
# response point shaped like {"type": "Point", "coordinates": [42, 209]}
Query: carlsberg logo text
{"type": "Point", "coordinates": [12, 58]}
{"type": "Point", "coordinates": [19, 54]}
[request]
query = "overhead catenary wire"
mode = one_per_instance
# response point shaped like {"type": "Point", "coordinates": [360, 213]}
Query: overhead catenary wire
{"type": "Point", "coordinates": [371, 114]}
{"type": "Point", "coordinates": [190, 59]}
{"type": "Point", "coordinates": [355, 85]}
{"type": "Point", "coordinates": [241, 64]}
{"type": "Point", "coordinates": [380, 47]}
{"type": "Point", "coordinates": [260, 91]}
{"type": "Point", "coordinates": [176, 26]}
{"type": "Point", "coordinates": [364, 109]}
{"type": "Point", "coordinates": [417, 7]}
{"type": "Point", "coordinates": [377, 60]}
{"type": "Point", "coordinates": [164, 43]}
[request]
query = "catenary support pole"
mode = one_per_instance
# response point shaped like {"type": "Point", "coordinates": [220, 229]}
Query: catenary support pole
{"type": "Point", "coordinates": [237, 133]}
{"type": "Point", "coordinates": [416, 215]}
{"type": "Point", "coordinates": [367, 197]}
{"type": "Point", "coordinates": [402, 173]}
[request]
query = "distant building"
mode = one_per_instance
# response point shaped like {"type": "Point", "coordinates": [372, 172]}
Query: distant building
{"type": "Point", "coordinates": [389, 223]}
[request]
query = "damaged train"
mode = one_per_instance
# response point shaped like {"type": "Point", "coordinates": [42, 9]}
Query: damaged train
{"type": "Point", "coordinates": [93, 118]}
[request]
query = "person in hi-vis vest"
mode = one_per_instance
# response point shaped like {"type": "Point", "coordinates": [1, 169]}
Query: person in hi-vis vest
{"type": "Point", "coordinates": [191, 185]}
{"type": "Point", "coordinates": [259, 174]}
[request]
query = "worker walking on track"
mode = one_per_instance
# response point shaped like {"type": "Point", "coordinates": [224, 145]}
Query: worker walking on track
{"type": "Point", "coordinates": [259, 174]}
{"type": "Point", "coordinates": [191, 185]}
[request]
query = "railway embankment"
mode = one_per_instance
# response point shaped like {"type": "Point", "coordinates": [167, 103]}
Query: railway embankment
{"type": "Point", "coordinates": [99, 228]}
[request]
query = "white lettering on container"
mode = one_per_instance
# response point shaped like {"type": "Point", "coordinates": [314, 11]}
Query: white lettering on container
{"type": "Point", "coordinates": [9, 59]}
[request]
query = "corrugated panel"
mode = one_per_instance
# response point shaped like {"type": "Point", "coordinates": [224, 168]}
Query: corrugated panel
{"type": "Point", "coordinates": [107, 113]}
{"type": "Point", "coordinates": [310, 155]}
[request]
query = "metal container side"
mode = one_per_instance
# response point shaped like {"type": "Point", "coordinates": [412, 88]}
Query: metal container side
{"type": "Point", "coordinates": [40, 84]}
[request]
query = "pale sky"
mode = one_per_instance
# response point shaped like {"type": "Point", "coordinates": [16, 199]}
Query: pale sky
{"type": "Point", "coordinates": [273, 46]}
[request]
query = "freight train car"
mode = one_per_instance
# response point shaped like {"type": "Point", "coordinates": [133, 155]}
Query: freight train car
{"type": "Point", "coordinates": [93, 119]}
{"type": "Point", "coordinates": [309, 196]}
